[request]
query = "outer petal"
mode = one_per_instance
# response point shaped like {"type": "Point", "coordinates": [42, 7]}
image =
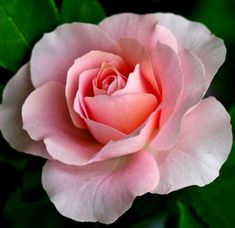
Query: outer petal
{"type": "Point", "coordinates": [172, 30]}
{"type": "Point", "coordinates": [194, 88]}
{"type": "Point", "coordinates": [203, 146]}
{"type": "Point", "coordinates": [15, 93]}
{"type": "Point", "coordinates": [144, 28]}
{"type": "Point", "coordinates": [212, 54]}
{"type": "Point", "coordinates": [130, 26]}
{"type": "Point", "coordinates": [101, 191]}
{"type": "Point", "coordinates": [198, 39]}
{"type": "Point", "coordinates": [46, 117]}
{"type": "Point", "coordinates": [60, 48]}
{"type": "Point", "coordinates": [187, 33]}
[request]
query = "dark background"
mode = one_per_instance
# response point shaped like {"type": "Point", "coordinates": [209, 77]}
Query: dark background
{"type": "Point", "coordinates": [23, 202]}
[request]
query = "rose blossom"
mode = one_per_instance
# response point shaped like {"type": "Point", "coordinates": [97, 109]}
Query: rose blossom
{"type": "Point", "coordinates": [117, 110]}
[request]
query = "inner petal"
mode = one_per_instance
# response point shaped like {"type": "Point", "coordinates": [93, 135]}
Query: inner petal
{"type": "Point", "coordinates": [124, 113]}
{"type": "Point", "coordinates": [108, 80]}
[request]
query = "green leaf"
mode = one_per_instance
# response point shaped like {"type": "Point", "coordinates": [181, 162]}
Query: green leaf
{"type": "Point", "coordinates": [22, 213]}
{"type": "Point", "coordinates": [89, 11]}
{"type": "Point", "coordinates": [152, 222]}
{"type": "Point", "coordinates": [186, 219]}
{"type": "Point", "coordinates": [207, 12]}
{"type": "Point", "coordinates": [22, 23]}
{"type": "Point", "coordinates": [215, 203]}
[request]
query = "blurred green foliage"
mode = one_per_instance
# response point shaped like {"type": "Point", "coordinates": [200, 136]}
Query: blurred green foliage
{"type": "Point", "coordinates": [22, 23]}
{"type": "Point", "coordinates": [186, 219]}
{"type": "Point", "coordinates": [22, 199]}
{"type": "Point", "coordinates": [88, 11]}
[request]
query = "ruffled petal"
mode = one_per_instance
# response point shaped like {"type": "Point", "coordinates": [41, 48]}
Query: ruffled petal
{"type": "Point", "coordinates": [198, 39]}
{"type": "Point", "coordinates": [55, 53]}
{"type": "Point", "coordinates": [15, 93]}
{"type": "Point", "coordinates": [194, 88]}
{"type": "Point", "coordinates": [85, 88]}
{"type": "Point", "coordinates": [134, 83]}
{"type": "Point", "coordinates": [45, 117]}
{"type": "Point", "coordinates": [202, 148]}
{"type": "Point", "coordinates": [188, 34]}
{"type": "Point", "coordinates": [102, 191]}
{"type": "Point", "coordinates": [133, 53]}
{"type": "Point", "coordinates": [85, 64]}
{"type": "Point", "coordinates": [212, 54]}
{"type": "Point", "coordinates": [130, 26]}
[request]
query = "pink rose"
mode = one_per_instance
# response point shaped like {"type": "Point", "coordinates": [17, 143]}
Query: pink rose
{"type": "Point", "coordinates": [117, 110]}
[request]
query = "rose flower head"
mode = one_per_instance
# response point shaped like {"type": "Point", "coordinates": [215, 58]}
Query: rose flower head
{"type": "Point", "coordinates": [118, 110]}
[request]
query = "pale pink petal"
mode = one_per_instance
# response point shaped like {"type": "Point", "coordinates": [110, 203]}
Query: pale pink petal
{"type": "Point", "coordinates": [202, 148]}
{"type": "Point", "coordinates": [188, 34]}
{"type": "Point", "coordinates": [172, 30]}
{"type": "Point", "coordinates": [164, 36]}
{"type": "Point", "coordinates": [14, 95]}
{"type": "Point", "coordinates": [133, 53]}
{"type": "Point", "coordinates": [194, 88]}
{"type": "Point", "coordinates": [198, 39]}
{"type": "Point", "coordinates": [130, 26]}
{"type": "Point", "coordinates": [168, 73]}
{"type": "Point", "coordinates": [212, 54]}
{"type": "Point", "coordinates": [89, 61]}
{"type": "Point", "coordinates": [144, 28]}
{"type": "Point", "coordinates": [102, 191]}
{"type": "Point", "coordinates": [55, 53]}
{"type": "Point", "coordinates": [136, 141]}
{"type": "Point", "coordinates": [117, 111]}
{"type": "Point", "coordinates": [134, 83]}
{"type": "Point", "coordinates": [103, 133]}
{"type": "Point", "coordinates": [85, 88]}
{"type": "Point", "coordinates": [46, 117]}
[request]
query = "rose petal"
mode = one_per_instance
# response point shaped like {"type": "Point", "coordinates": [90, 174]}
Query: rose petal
{"type": "Point", "coordinates": [164, 36]}
{"type": "Point", "coordinates": [187, 33]}
{"type": "Point", "coordinates": [15, 93]}
{"type": "Point", "coordinates": [130, 26]}
{"type": "Point", "coordinates": [134, 83]}
{"type": "Point", "coordinates": [46, 117]}
{"type": "Point", "coordinates": [198, 39]}
{"type": "Point", "coordinates": [59, 49]}
{"type": "Point", "coordinates": [101, 191]}
{"type": "Point", "coordinates": [194, 88]}
{"type": "Point", "coordinates": [89, 61]}
{"type": "Point", "coordinates": [133, 143]}
{"type": "Point", "coordinates": [203, 146]}
{"type": "Point", "coordinates": [103, 133]}
{"type": "Point", "coordinates": [212, 54]}
{"type": "Point", "coordinates": [168, 73]}
{"type": "Point", "coordinates": [121, 112]}
{"type": "Point", "coordinates": [133, 53]}
{"type": "Point", "coordinates": [85, 88]}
